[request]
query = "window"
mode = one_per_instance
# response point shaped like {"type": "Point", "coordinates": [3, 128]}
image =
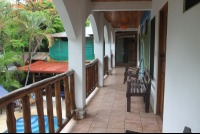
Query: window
{"type": "Point", "coordinates": [190, 3]}
{"type": "Point", "coordinates": [142, 27]}
{"type": "Point", "coordinates": [152, 47]}
{"type": "Point", "coordinates": [146, 26]}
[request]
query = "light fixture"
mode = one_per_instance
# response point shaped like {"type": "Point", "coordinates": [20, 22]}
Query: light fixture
{"type": "Point", "coordinates": [123, 26]}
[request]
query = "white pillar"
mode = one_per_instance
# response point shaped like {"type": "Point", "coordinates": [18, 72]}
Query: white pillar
{"type": "Point", "coordinates": [99, 47]}
{"type": "Point", "coordinates": [113, 47]}
{"type": "Point", "coordinates": [76, 52]}
{"type": "Point", "coordinates": [108, 46]}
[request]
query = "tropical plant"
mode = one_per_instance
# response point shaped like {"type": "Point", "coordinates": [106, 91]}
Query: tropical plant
{"type": "Point", "coordinates": [8, 78]}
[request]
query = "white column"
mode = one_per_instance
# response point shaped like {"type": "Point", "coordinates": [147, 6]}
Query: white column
{"type": "Point", "coordinates": [76, 52]}
{"type": "Point", "coordinates": [113, 47]}
{"type": "Point", "coordinates": [99, 47]}
{"type": "Point", "coordinates": [108, 46]}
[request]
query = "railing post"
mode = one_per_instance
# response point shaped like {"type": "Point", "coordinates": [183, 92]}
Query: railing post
{"type": "Point", "coordinates": [26, 114]}
{"type": "Point", "coordinates": [50, 109]}
{"type": "Point", "coordinates": [11, 121]}
{"type": "Point", "coordinates": [58, 104]}
{"type": "Point", "coordinates": [40, 111]}
{"type": "Point", "coordinates": [67, 97]}
{"type": "Point", "coordinates": [72, 92]}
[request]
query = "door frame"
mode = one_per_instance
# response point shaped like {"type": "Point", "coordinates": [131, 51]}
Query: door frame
{"type": "Point", "coordinates": [159, 66]}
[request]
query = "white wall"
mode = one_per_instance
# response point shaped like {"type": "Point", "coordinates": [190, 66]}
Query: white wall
{"type": "Point", "coordinates": [182, 103]}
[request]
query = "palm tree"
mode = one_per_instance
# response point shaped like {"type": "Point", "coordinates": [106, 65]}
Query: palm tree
{"type": "Point", "coordinates": [31, 22]}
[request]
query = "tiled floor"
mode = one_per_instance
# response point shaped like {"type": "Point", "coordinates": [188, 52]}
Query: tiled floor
{"type": "Point", "coordinates": [107, 111]}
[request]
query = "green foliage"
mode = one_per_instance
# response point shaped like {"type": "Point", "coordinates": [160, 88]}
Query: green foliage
{"type": "Point", "coordinates": [87, 23]}
{"type": "Point", "coordinates": [8, 77]}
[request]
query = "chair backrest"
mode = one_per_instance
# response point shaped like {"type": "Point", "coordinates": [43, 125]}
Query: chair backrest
{"type": "Point", "coordinates": [146, 79]}
{"type": "Point", "coordinates": [187, 130]}
{"type": "Point", "coordinates": [132, 68]}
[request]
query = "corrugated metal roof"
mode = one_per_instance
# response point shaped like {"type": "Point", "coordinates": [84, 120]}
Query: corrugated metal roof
{"type": "Point", "coordinates": [46, 67]}
{"type": "Point", "coordinates": [88, 32]}
{"type": "Point", "coordinates": [37, 56]}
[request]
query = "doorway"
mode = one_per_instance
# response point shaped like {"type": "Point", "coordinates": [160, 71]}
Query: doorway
{"type": "Point", "coordinates": [126, 51]}
{"type": "Point", "coordinates": [162, 60]}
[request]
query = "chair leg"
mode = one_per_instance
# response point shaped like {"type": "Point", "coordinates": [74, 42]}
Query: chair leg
{"type": "Point", "coordinates": [147, 102]}
{"type": "Point", "coordinates": [125, 78]}
{"type": "Point", "coordinates": [129, 104]}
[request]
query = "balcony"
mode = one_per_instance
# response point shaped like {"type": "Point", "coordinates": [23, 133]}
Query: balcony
{"type": "Point", "coordinates": [105, 109]}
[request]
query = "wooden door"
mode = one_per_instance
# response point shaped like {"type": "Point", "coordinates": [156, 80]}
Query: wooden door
{"type": "Point", "coordinates": [162, 59]}
{"type": "Point", "coordinates": [126, 50]}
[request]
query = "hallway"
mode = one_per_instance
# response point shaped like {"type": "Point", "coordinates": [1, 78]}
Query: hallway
{"type": "Point", "coordinates": [106, 112]}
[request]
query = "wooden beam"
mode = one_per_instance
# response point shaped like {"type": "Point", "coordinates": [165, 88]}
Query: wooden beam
{"type": "Point", "coordinates": [122, 6]}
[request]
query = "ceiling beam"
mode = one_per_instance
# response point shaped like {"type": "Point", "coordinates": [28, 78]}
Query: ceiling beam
{"type": "Point", "coordinates": [122, 6]}
{"type": "Point", "coordinates": [128, 29]}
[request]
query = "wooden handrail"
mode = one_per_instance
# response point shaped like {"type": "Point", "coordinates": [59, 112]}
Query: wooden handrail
{"type": "Point", "coordinates": [92, 63]}
{"type": "Point", "coordinates": [22, 93]}
{"type": "Point", "coordinates": [91, 76]}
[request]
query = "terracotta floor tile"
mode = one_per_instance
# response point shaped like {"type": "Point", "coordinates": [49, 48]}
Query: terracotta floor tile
{"type": "Point", "coordinates": [151, 131]}
{"type": "Point", "coordinates": [149, 120]}
{"type": "Point", "coordinates": [148, 126]}
{"type": "Point", "coordinates": [106, 104]}
{"type": "Point", "coordinates": [119, 114]}
{"type": "Point", "coordinates": [97, 130]}
{"type": "Point", "coordinates": [115, 130]}
{"type": "Point", "coordinates": [132, 119]}
{"type": "Point", "coordinates": [102, 112]}
{"type": "Point", "coordinates": [117, 125]}
{"type": "Point", "coordinates": [102, 108]}
{"type": "Point", "coordinates": [85, 123]}
{"type": "Point", "coordinates": [102, 118]}
{"type": "Point", "coordinates": [117, 118]}
{"type": "Point", "coordinates": [100, 124]}
{"type": "Point", "coordinates": [147, 115]}
{"type": "Point", "coordinates": [80, 129]}
{"type": "Point", "coordinates": [135, 126]}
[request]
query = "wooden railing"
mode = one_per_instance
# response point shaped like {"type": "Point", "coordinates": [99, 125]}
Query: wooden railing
{"type": "Point", "coordinates": [91, 76]}
{"type": "Point", "coordinates": [7, 101]}
{"type": "Point", "coordinates": [105, 65]}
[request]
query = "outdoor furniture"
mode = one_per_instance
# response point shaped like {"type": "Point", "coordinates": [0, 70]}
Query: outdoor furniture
{"type": "Point", "coordinates": [187, 130]}
{"type": "Point", "coordinates": [32, 99]}
{"type": "Point", "coordinates": [18, 104]}
{"type": "Point", "coordinates": [133, 69]}
{"type": "Point", "coordinates": [136, 87]}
